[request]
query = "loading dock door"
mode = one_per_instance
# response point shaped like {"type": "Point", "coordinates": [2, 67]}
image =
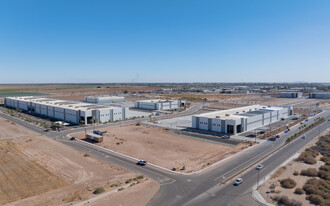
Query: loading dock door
{"type": "Point", "coordinates": [230, 129]}
{"type": "Point", "coordinates": [239, 128]}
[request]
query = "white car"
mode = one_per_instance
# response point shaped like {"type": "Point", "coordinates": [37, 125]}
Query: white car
{"type": "Point", "coordinates": [259, 167]}
{"type": "Point", "coordinates": [238, 181]}
{"type": "Point", "coordinates": [142, 162]}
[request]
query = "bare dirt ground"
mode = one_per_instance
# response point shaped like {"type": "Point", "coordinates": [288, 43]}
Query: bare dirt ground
{"type": "Point", "coordinates": [264, 100]}
{"type": "Point", "coordinates": [287, 171]}
{"type": "Point", "coordinates": [157, 146]}
{"type": "Point", "coordinates": [34, 164]}
{"type": "Point", "coordinates": [322, 103]}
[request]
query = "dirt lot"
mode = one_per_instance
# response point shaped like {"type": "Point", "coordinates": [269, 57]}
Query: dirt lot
{"type": "Point", "coordinates": [263, 100]}
{"type": "Point", "coordinates": [322, 103]}
{"type": "Point", "coordinates": [157, 146]}
{"type": "Point", "coordinates": [32, 164]}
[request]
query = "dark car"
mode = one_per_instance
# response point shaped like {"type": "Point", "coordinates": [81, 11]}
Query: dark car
{"type": "Point", "coordinates": [72, 138]}
{"type": "Point", "coordinates": [277, 136]}
{"type": "Point", "coordinates": [141, 162]}
{"type": "Point", "coordinates": [272, 139]}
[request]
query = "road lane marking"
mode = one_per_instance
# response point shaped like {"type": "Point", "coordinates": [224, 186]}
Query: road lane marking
{"type": "Point", "coordinates": [128, 163]}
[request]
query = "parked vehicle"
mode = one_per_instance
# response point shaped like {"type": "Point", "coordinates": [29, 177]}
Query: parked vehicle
{"type": "Point", "coordinates": [142, 162]}
{"type": "Point", "coordinates": [277, 136]}
{"type": "Point", "coordinates": [286, 131]}
{"type": "Point", "coordinates": [272, 139]}
{"type": "Point", "coordinates": [304, 136]}
{"type": "Point", "coordinates": [72, 138]}
{"type": "Point", "coordinates": [238, 181]}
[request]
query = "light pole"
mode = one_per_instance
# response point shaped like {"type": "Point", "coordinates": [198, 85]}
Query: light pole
{"type": "Point", "coordinates": [258, 180]}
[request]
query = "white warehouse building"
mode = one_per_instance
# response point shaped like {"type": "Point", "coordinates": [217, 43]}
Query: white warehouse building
{"type": "Point", "coordinates": [104, 99]}
{"type": "Point", "coordinates": [241, 119]}
{"type": "Point", "coordinates": [159, 104]}
{"type": "Point", "coordinates": [69, 111]}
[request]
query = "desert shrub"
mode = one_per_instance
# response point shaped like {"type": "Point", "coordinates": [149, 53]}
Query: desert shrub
{"type": "Point", "coordinates": [139, 177]}
{"type": "Point", "coordinates": [288, 183]}
{"type": "Point", "coordinates": [128, 181]}
{"type": "Point", "coordinates": [295, 173]}
{"type": "Point", "coordinates": [325, 158]}
{"type": "Point", "coordinates": [312, 152]}
{"type": "Point", "coordinates": [284, 200]}
{"type": "Point", "coordinates": [325, 168]}
{"type": "Point", "coordinates": [323, 174]}
{"type": "Point", "coordinates": [317, 187]}
{"type": "Point", "coordinates": [307, 158]}
{"type": "Point", "coordinates": [315, 199]}
{"type": "Point", "coordinates": [99, 190]}
{"type": "Point", "coordinates": [299, 191]}
{"type": "Point", "coordinates": [310, 160]}
{"type": "Point", "coordinates": [310, 172]}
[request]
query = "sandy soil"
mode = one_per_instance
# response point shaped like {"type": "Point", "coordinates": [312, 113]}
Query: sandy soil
{"type": "Point", "coordinates": [287, 171]}
{"type": "Point", "coordinates": [76, 174]}
{"type": "Point", "coordinates": [323, 103]}
{"type": "Point", "coordinates": [156, 145]}
{"type": "Point", "coordinates": [121, 198]}
{"type": "Point", "coordinates": [264, 100]}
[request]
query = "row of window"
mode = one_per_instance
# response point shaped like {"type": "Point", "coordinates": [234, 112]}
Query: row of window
{"type": "Point", "coordinates": [215, 125]}
{"type": "Point", "coordinates": [102, 115]}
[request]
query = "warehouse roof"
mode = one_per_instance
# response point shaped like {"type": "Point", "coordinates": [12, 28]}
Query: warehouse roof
{"type": "Point", "coordinates": [65, 104]}
{"type": "Point", "coordinates": [157, 100]}
{"type": "Point", "coordinates": [238, 113]}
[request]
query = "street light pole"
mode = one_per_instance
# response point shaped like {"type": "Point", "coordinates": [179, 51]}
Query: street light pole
{"type": "Point", "coordinates": [258, 180]}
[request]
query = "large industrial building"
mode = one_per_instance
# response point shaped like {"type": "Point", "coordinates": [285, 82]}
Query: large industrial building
{"type": "Point", "coordinates": [69, 111]}
{"type": "Point", "coordinates": [159, 104]}
{"type": "Point", "coordinates": [320, 95]}
{"type": "Point", "coordinates": [241, 119]}
{"type": "Point", "coordinates": [104, 99]}
{"type": "Point", "coordinates": [291, 94]}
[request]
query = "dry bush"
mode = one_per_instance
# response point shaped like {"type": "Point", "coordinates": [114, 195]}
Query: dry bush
{"type": "Point", "coordinates": [99, 190]}
{"type": "Point", "coordinates": [295, 173]}
{"type": "Point", "coordinates": [316, 199]}
{"type": "Point", "coordinates": [307, 157]}
{"type": "Point", "coordinates": [299, 191]}
{"type": "Point", "coordinates": [310, 172]}
{"type": "Point", "coordinates": [284, 200]}
{"type": "Point", "coordinates": [323, 175]}
{"type": "Point", "coordinates": [317, 187]}
{"type": "Point", "coordinates": [288, 183]}
{"type": "Point", "coordinates": [314, 153]}
{"type": "Point", "coordinates": [325, 168]}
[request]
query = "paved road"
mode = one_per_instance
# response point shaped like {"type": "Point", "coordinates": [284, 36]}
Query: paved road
{"type": "Point", "coordinates": [199, 189]}
{"type": "Point", "coordinates": [226, 195]}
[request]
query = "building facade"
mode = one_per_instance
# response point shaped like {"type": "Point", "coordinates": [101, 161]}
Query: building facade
{"type": "Point", "coordinates": [291, 94]}
{"type": "Point", "coordinates": [159, 104]}
{"type": "Point", "coordinates": [69, 111]}
{"type": "Point", "coordinates": [320, 95]}
{"type": "Point", "coordinates": [241, 119]}
{"type": "Point", "coordinates": [104, 100]}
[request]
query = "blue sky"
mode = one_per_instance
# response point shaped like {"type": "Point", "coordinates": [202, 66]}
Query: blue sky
{"type": "Point", "coordinates": [76, 41]}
